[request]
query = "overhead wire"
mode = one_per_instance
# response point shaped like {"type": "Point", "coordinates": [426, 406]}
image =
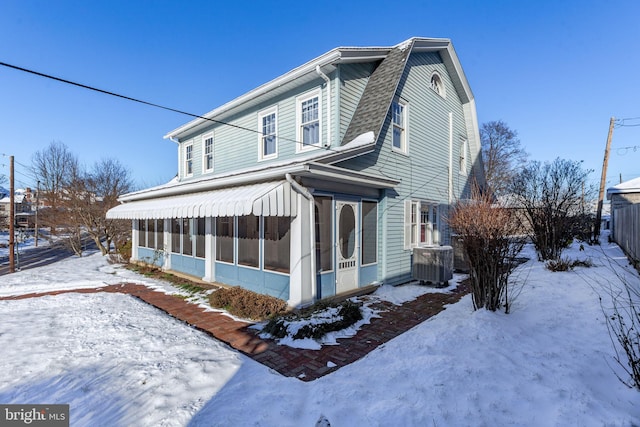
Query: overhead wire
{"type": "Point", "coordinates": [140, 101]}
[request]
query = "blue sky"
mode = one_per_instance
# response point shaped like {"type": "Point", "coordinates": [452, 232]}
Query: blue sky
{"type": "Point", "coordinates": [554, 71]}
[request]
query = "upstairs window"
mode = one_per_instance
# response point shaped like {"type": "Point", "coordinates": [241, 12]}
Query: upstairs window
{"type": "Point", "coordinates": [188, 160]}
{"type": "Point", "coordinates": [308, 119]}
{"type": "Point", "coordinates": [399, 120]}
{"type": "Point", "coordinates": [207, 153]}
{"type": "Point", "coordinates": [437, 85]}
{"type": "Point", "coordinates": [463, 157]}
{"type": "Point", "coordinates": [267, 124]}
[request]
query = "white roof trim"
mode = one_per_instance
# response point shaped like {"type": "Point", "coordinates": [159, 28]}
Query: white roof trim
{"type": "Point", "coordinates": [362, 144]}
{"type": "Point", "coordinates": [267, 199]}
{"type": "Point", "coordinates": [335, 56]}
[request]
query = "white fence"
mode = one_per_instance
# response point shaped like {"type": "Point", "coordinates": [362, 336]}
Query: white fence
{"type": "Point", "coordinates": [626, 232]}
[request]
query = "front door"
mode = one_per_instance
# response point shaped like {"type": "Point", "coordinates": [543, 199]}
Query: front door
{"type": "Point", "coordinates": [347, 249]}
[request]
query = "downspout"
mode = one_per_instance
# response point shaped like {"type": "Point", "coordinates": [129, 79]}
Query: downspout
{"type": "Point", "coordinates": [450, 172]}
{"type": "Point", "coordinates": [328, 81]}
{"type": "Point", "coordinates": [450, 158]}
{"type": "Point", "coordinates": [307, 195]}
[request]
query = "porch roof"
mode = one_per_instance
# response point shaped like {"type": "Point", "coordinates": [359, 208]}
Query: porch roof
{"type": "Point", "coordinates": [267, 199]}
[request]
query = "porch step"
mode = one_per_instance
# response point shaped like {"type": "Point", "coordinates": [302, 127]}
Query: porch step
{"type": "Point", "coordinates": [369, 289]}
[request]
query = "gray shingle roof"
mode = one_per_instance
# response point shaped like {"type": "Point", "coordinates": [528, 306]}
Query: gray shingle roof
{"type": "Point", "coordinates": [376, 99]}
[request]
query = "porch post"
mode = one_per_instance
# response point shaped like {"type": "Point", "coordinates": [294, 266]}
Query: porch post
{"type": "Point", "coordinates": [134, 239]}
{"type": "Point", "coordinates": [302, 278]}
{"type": "Point", "coordinates": [209, 251]}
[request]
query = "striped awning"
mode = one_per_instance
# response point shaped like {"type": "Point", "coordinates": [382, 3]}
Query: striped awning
{"type": "Point", "coordinates": [266, 199]}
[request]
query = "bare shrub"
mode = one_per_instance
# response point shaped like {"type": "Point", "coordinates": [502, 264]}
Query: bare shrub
{"type": "Point", "coordinates": [491, 242]}
{"type": "Point", "coordinates": [623, 324]}
{"type": "Point", "coordinates": [566, 264]}
{"type": "Point", "coordinates": [247, 304]}
{"type": "Point", "coordinates": [553, 197]}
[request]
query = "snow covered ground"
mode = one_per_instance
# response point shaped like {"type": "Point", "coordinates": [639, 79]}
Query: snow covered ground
{"type": "Point", "coordinates": [119, 362]}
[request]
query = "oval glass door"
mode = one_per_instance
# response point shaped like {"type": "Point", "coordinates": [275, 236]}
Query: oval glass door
{"type": "Point", "coordinates": [347, 232]}
{"type": "Point", "coordinates": [347, 242]}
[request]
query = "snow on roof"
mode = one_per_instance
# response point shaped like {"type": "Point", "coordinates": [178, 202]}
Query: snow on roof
{"type": "Point", "coordinates": [631, 186]}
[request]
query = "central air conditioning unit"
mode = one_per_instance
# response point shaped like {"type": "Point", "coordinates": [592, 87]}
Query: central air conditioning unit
{"type": "Point", "coordinates": [433, 264]}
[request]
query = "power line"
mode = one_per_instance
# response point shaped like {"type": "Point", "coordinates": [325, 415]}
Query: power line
{"type": "Point", "coordinates": [622, 122]}
{"type": "Point", "coordinates": [140, 101]}
{"type": "Point", "coordinates": [622, 151]}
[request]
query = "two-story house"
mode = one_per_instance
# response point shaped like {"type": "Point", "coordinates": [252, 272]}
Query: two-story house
{"type": "Point", "coordinates": [320, 181]}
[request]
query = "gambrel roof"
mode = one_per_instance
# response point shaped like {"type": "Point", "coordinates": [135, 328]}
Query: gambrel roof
{"type": "Point", "coordinates": [378, 93]}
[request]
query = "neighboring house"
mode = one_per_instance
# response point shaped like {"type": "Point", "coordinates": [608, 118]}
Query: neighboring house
{"type": "Point", "coordinates": [624, 194]}
{"type": "Point", "coordinates": [320, 181]}
{"type": "Point", "coordinates": [24, 217]}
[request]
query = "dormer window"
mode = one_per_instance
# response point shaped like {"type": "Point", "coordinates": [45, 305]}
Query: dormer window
{"type": "Point", "coordinates": [437, 85]}
{"type": "Point", "coordinates": [399, 124]}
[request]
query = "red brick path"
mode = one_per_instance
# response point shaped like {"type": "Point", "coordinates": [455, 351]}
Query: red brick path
{"type": "Point", "coordinates": [306, 365]}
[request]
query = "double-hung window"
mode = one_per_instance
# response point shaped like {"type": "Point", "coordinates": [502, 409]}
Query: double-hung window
{"type": "Point", "coordinates": [207, 153]}
{"type": "Point", "coordinates": [399, 125]}
{"type": "Point", "coordinates": [421, 224]}
{"type": "Point", "coordinates": [308, 118]}
{"type": "Point", "coordinates": [429, 233]}
{"type": "Point", "coordinates": [463, 156]}
{"type": "Point", "coordinates": [267, 124]}
{"type": "Point", "coordinates": [188, 160]}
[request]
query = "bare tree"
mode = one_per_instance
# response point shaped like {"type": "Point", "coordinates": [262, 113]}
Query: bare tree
{"type": "Point", "coordinates": [552, 196]}
{"type": "Point", "coordinates": [502, 154]}
{"type": "Point", "coordinates": [491, 240]}
{"type": "Point", "coordinates": [54, 167]}
{"type": "Point", "coordinates": [93, 194]}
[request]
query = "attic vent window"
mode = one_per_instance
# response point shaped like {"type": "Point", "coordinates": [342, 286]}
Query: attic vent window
{"type": "Point", "coordinates": [437, 85]}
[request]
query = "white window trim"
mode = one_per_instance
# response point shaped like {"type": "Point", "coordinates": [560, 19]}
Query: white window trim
{"type": "Point", "coordinates": [443, 91]}
{"type": "Point", "coordinates": [377, 230]}
{"type": "Point", "coordinates": [184, 159]}
{"type": "Point", "coordinates": [404, 148]}
{"type": "Point", "coordinates": [412, 230]}
{"type": "Point", "coordinates": [462, 159]}
{"type": "Point", "coordinates": [300, 148]}
{"type": "Point", "coordinates": [261, 115]}
{"type": "Point", "coordinates": [204, 152]}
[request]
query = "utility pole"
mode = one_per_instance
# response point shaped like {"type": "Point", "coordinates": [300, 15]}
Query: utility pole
{"type": "Point", "coordinates": [12, 218]}
{"type": "Point", "coordinates": [603, 178]}
{"type": "Point", "coordinates": [37, 203]}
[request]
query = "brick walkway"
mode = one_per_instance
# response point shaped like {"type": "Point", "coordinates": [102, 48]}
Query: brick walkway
{"type": "Point", "coordinates": [307, 365]}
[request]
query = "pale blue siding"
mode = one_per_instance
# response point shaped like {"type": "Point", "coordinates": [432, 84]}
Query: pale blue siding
{"type": "Point", "coordinates": [353, 79]}
{"type": "Point", "coordinates": [236, 145]}
{"type": "Point", "coordinates": [188, 265]}
{"type": "Point", "coordinates": [264, 282]}
{"type": "Point", "coordinates": [150, 256]}
{"type": "Point", "coordinates": [424, 171]}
